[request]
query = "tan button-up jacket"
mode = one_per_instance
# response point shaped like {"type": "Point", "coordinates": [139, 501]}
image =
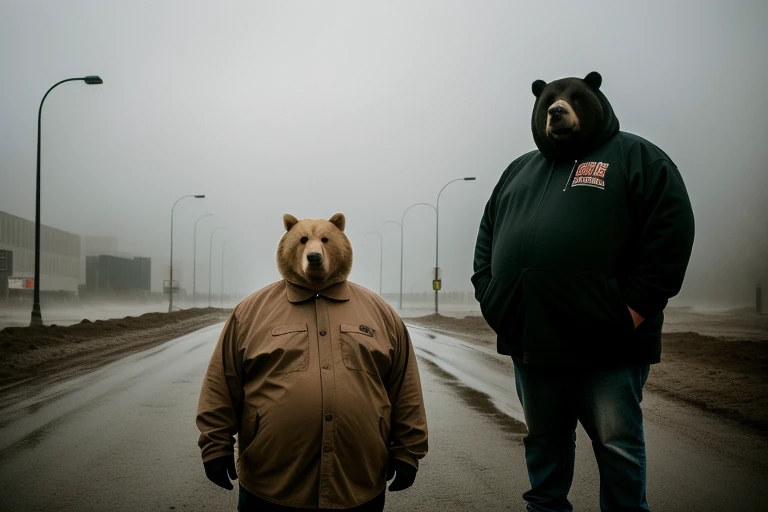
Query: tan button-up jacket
{"type": "Point", "coordinates": [322, 389]}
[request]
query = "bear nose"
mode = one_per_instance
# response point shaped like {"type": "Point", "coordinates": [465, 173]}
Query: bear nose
{"type": "Point", "coordinates": [315, 258]}
{"type": "Point", "coordinates": [556, 111]}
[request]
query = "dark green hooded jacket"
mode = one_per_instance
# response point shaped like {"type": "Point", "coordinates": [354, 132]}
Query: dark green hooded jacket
{"type": "Point", "coordinates": [565, 246]}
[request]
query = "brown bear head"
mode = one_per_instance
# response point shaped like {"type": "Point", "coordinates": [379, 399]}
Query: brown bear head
{"type": "Point", "coordinates": [314, 253]}
{"type": "Point", "coordinates": [571, 116]}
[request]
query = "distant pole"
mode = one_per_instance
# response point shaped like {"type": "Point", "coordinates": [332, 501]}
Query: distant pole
{"type": "Point", "coordinates": [402, 223]}
{"type": "Point", "coordinates": [194, 260]}
{"type": "Point", "coordinates": [229, 279]}
{"type": "Point", "coordinates": [221, 297]}
{"type": "Point", "coordinates": [37, 315]}
{"type": "Point", "coordinates": [759, 299]}
{"type": "Point", "coordinates": [210, 262]}
{"type": "Point", "coordinates": [170, 287]}
{"type": "Point", "coordinates": [381, 256]}
{"type": "Point", "coordinates": [437, 230]}
{"type": "Point", "coordinates": [400, 301]}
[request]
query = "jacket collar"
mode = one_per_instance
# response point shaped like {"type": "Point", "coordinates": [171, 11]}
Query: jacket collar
{"type": "Point", "coordinates": [296, 293]}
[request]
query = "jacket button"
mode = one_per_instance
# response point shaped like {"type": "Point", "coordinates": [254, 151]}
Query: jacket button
{"type": "Point", "coordinates": [322, 333]}
{"type": "Point", "coordinates": [328, 417]}
{"type": "Point", "coordinates": [328, 448]}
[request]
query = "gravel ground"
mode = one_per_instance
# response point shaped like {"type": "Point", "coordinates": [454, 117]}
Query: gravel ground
{"type": "Point", "coordinates": [722, 368]}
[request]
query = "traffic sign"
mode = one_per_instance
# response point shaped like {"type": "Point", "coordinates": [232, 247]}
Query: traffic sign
{"type": "Point", "coordinates": [167, 288]}
{"type": "Point", "coordinates": [437, 284]}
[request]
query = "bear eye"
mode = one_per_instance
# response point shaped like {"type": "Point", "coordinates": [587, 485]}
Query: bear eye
{"type": "Point", "coordinates": [324, 240]}
{"type": "Point", "coordinates": [304, 240]}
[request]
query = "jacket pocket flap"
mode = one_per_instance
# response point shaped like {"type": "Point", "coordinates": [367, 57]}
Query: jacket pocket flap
{"type": "Point", "coordinates": [359, 329]}
{"type": "Point", "coordinates": [285, 329]}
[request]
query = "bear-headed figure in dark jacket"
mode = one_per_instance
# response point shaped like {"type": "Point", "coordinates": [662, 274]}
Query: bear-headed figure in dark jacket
{"type": "Point", "coordinates": [580, 246]}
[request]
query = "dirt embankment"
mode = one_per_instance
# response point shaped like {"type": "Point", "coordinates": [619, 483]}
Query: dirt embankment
{"type": "Point", "coordinates": [722, 375]}
{"type": "Point", "coordinates": [38, 356]}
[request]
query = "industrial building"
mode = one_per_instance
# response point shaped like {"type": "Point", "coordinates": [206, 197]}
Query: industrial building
{"type": "Point", "coordinates": [59, 258]}
{"type": "Point", "coordinates": [113, 276]}
{"type": "Point", "coordinates": [70, 265]}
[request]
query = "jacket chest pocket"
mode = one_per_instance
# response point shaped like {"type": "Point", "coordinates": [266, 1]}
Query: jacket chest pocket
{"type": "Point", "coordinates": [363, 350]}
{"type": "Point", "coordinates": [283, 349]}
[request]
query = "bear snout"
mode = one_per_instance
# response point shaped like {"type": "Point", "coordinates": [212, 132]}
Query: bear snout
{"type": "Point", "coordinates": [556, 111]}
{"type": "Point", "coordinates": [315, 258]}
{"type": "Point", "coordinates": [562, 121]}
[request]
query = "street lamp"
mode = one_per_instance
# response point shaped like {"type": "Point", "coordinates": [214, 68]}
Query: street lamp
{"type": "Point", "coordinates": [401, 260]}
{"type": "Point", "coordinates": [194, 260]}
{"type": "Point", "coordinates": [437, 234]}
{"type": "Point", "coordinates": [170, 287]}
{"type": "Point", "coordinates": [210, 262]}
{"type": "Point", "coordinates": [37, 316]}
{"type": "Point", "coordinates": [221, 296]}
{"type": "Point", "coordinates": [402, 224]}
{"type": "Point", "coordinates": [381, 255]}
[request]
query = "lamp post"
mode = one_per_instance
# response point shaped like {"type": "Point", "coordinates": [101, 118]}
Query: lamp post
{"type": "Point", "coordinates": [37, 316]}
{"type": "Point", "coordinates": [437, 234]}
{"type": "Point", "coordinates": [381, 255]}
{"type": "Point", "coordinates": [221, 296]}
{"type": "Point", "coordinates": [170, 287]}
{"type": "Point", "coordinates": [194, 260]}
{"type": "Point", "coordinates": [402, 228]}
{"type": "Point", "coordinates": [210, 262]}
{"type": "Point", "coordinates": [400, 301]}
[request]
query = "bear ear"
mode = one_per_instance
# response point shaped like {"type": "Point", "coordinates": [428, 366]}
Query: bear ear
{"type": "Point", "coordinates": [338, 220]}
{"type": "Point", "coordinates": [289, 221]}
{"type": "Point", "coordinates": [537, 87]}
{"type": "Point", "coordinates": [594, 80]}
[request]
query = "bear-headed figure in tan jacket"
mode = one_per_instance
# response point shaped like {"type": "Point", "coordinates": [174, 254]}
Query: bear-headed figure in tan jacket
{"type": "Point", "coordinates": [318, 379]}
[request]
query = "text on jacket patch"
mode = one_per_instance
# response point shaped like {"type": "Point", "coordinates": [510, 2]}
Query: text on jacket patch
{"type": "Point", "coordinates": [590, 174]}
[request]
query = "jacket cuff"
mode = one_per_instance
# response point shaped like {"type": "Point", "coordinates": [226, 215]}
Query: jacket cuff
{"type": "Point", "coordinates": [404, 456]}
{"type": "Point", "coordinates": [210, 455]}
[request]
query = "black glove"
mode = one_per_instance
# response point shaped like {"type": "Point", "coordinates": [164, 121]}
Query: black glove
{"type": "Point", "coordinates": [406, 474]}
{"type": "Point", "coordinates": [216, 471]}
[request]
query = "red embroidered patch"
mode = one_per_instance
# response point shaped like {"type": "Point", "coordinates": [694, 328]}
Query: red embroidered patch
{"type": "Point", "coordinates": [590, 174]}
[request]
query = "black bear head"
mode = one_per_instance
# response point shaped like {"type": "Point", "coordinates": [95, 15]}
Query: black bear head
{"type": "Point", "coordinates": [571, 116]}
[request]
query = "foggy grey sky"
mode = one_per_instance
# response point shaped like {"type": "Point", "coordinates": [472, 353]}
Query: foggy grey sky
{"type": "Point", "coordinates": [366, 108]}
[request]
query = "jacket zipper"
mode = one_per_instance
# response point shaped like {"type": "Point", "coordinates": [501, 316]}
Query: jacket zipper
{"type": "Point", "coordinates": [535, 211]}
{"type": "Point", "coordinates": [570, 175]}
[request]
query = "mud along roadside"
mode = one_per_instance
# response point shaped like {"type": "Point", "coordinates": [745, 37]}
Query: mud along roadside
{"type": "Point", "coordinates": [33, 358]}
{"type": "Point", "coordinates": [725, 376]}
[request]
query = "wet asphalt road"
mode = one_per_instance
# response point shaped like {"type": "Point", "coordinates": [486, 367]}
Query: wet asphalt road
{"type": "Point", "coordinates": [124, 438]}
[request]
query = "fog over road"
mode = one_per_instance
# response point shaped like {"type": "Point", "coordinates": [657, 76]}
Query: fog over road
{"type": "Point", "coordinates": [124, 438]}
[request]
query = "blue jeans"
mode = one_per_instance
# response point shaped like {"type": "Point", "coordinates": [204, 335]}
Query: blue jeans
{"type": "Point", "coordinates": [607, 403]}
